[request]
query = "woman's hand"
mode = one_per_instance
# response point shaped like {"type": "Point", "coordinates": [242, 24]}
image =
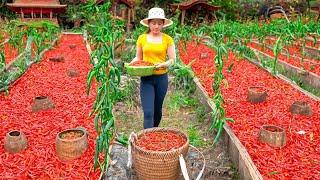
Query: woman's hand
{"type": "Point", "coordinates": [161, 65]}
{"type": "Point", "coordinates": [165, 64]}
{"type": "Point", "coordinates": [134, 60]}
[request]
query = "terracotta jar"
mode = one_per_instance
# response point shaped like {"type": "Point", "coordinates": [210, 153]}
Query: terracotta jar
{"type": "Point", "coordinates": [15, 141]}
{"type": "Point", "coordinates": [273, 135]}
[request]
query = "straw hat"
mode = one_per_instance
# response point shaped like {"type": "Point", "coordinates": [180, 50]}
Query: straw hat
{"type": "Point", "coordinates": [156, 13]}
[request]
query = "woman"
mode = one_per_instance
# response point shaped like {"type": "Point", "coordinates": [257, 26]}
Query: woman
{"type": "Point", "coordinates": [157, 48]}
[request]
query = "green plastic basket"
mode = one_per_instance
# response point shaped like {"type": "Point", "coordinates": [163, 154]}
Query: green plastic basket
{"type": "Point", "coordinates": [139, 70]}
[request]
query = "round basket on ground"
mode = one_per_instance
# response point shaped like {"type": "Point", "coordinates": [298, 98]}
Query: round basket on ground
{"type": "Point", "coordinates": [162, 164]}
{"type": "Point", "coordinates": [257, 94]}
{"type": "Point", "coordinates": [273, 135]}
{"type": "Point", "coordinates": [15, 141]}
{"type": "Point", "coordinates": [71, 144]}
{"type": "Point", "coordinates": [140, 70]}
{"type": "Point", "coordinates": [301, 107]}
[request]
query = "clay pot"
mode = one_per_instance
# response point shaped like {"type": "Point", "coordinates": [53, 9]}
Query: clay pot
{"type": "Point", "coordinates": [72, 46]}
{"type": "Point", "coordinates": [42, 103]}
{"type": "Point", "coordinates": [203, 55]}
{"type": "Point", "coordinates": [273, 135]}
{"type": "Point", "coordinates": [15, 141]}
{"type": "Point", "coordinates": [73, 73]}
{"type": "Point", "coordinates": [300, 107]}
{"type": "Point", "coordinates": [58, 58]}
{"type": "Point", "coordinates": [71, 144]}
{"type": "Point", "coordinates": [256, 94]}
{"type": "Point", "coordinates": [276, 16]}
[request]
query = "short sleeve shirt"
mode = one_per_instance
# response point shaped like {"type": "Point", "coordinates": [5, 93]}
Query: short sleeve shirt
{"type": "Point", "coordinates": [155, 52]}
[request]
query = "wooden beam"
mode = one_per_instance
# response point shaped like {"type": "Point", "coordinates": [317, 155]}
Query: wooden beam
{"type": "Point", "coordinates": [129, 19]}
{"type": "Point", "coordinates": [22, 14]}
{"type": "Point", "coordinates": [206, 18]}
{"type": "Point", "coordinates": [182, 16]}
{"type": "Point", "coordinates": [133, 14]}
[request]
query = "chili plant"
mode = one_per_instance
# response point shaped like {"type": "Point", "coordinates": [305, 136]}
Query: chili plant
{"type": "Point", "coordinates": [2, 61]}
{"type": "Point", "coordinates": [219, 46]}
{"type": "Point", "coordinates": [183, 77]}
{"type": "Point", "coordinates": [104, 31]}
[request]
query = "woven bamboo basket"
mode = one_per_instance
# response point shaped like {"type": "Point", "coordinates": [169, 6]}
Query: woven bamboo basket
{"type": "Point", "coordinates": [69, 149]}
{"type": "Point", "coordinates": [155, 164]}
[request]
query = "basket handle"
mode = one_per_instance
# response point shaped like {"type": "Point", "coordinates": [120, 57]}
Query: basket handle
{"type": "Point", "coordinates": [184, 167]}
{"type": "Point", "coordinates": [132, 137]}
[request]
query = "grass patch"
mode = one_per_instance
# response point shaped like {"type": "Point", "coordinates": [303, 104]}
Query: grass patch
{"type": "Point", "coordinates": [179, 100]}
{"type": "Point", "coordinates": [194, 137]}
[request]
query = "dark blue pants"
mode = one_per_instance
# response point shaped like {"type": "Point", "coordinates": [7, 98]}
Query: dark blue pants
{"type": "Point", "coordinates": [153, 89]}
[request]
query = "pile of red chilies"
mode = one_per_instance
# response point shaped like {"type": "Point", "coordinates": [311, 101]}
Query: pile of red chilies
{"type": "Point", "coordinates": [72, 107]}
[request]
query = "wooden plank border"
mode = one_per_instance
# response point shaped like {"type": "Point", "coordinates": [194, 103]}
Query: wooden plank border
{"type": "Point", "coordinates": [307, 77]}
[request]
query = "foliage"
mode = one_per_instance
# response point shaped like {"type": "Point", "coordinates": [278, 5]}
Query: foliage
{"type": "Point", "coordinates": [228, 8]}
{"type": "Point", "coordinates": [42, 33]}
{"type": "Point", "coordinates": [103, 31]}
{"type": "Point", "coordinates": [183, 77]}
{"type": "Point", "coordinates": [26, 37]}
{"type": "Point", "coordinates": [179, 100]}
{"type": "Point", "coordinates": [194, 137]}
{"type": "Point", "coordinates": [5, 12]}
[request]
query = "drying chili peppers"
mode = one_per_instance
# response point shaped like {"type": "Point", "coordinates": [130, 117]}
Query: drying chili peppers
{"type": "Point", "coordinates": [161, 141]}
{"type": "Point", "coordinates": [300, 158]}
{"type": "Point", "coordinates": [72, 107]}
{"type": "Point", "coordinates": [294, 59]}
{"type": "Point", "coordinates": [71, 135]}
{"type": "Point", "coordinates": [9, 52]}
{"type": "Point", "coordinates": [141, 63]}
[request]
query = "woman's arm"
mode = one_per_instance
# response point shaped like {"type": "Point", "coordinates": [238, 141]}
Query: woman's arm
{"type": "Point", "coordinates": [171, 52]}
{"type": "Point", "coordinates": [171, 55]}
{"type": "Point", "coordinates": [138, 55]}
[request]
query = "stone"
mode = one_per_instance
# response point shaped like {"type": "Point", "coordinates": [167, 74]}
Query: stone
{"type": "Point", "coordinates": [203, 55]}
{"type": "Point", "coordinates": [58, 58]}
{"type": "Point", "coordinates": [73, 73]}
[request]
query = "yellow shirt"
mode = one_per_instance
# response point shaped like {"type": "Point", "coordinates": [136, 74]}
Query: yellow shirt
{"type": "Point", "coordinates": [155, 52]}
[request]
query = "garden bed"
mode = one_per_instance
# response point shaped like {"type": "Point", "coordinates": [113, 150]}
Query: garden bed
{"type": "Point", "coordinates": [309, 78]}
{"type": "Point", "coordinates": [71, 109]}
{"type": "Point", "coordinates": [300, 157]}
{"type": "Point", "coordinates": [307, 64]}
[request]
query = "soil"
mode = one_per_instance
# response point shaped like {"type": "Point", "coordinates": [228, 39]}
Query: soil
{"type": "Point", "coordinates": [129, 118]}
